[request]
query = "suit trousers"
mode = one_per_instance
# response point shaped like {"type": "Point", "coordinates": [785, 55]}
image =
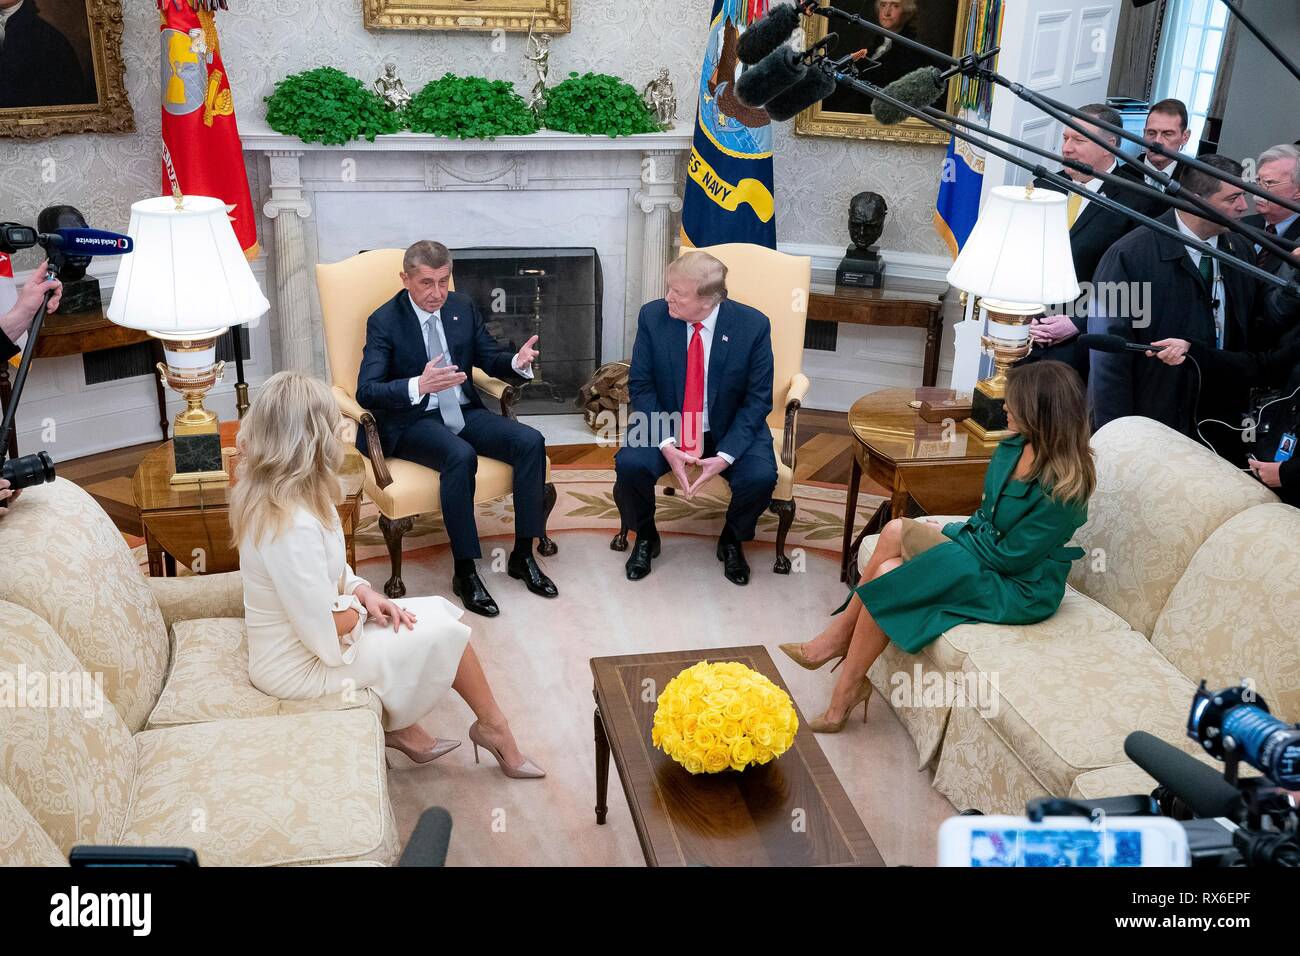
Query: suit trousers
{"type": "Point", "coordinates": [752, 478]}
{"type": "Point", "coordinates": [430, 443]}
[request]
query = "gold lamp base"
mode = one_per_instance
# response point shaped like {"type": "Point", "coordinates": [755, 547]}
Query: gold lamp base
{"type": "Point", "coordinates": [1008, 344]}
{"type": "Point", "coordinates": [192, 370]}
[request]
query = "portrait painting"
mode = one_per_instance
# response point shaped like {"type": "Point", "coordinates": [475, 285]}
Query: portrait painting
{"type": "Point", "coordinates": [61, 68]}
{"type": "Point", "coordinates": [937, 24]}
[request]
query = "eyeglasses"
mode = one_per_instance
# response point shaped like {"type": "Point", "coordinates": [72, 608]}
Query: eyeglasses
{"type": "Point", "coordinates": [1271, 184]}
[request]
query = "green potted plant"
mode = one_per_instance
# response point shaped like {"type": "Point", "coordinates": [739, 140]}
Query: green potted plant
{"type": "Point", "coordinates": [598, 104]}
{"type": "Point", "coordinates": [326, 105]}
{"type": "Point", "coordinates": [470, 107]}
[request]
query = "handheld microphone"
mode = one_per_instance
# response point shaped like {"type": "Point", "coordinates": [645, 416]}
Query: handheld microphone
{"type": "Point", "coordinates": [778, 71]}
{"type": "Point", "coordinates": [813, 88]}
{"type": "Point", "coordinates": [917, 89]}
{"type": "Point", "coordinates": [767, 33]}
{"type": "Point", "coordinates": [1205, 792]}
{"type": "Point", "coordinates": [1114, 343]}
{"type": "Point", "coordinates": [87, 242]}
{"type": "Point", "coordinates": [429, 840]}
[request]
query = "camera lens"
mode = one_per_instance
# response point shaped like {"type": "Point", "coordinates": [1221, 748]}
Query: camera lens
{"type": "Point", "coordinates": [28, 470]}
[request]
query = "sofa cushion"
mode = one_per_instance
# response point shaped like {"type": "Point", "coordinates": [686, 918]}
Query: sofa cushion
{"type": "Point", "coordinates": [22, 841]}
{"type": "Point", "coordinates": [64, 750]}
{"type": "Point", "coordinates": [1236, 612]}
{"type": "Point", "coordinates": [209, 680]}
{"type": "Point", "coordinates": [64, 560]}
{"type": "Point", "coordinates": [303, 788]}
{"type": "Point", "coordinates": [1065, 707]}
{"type": "Point", "coordinates": [1159, 496]}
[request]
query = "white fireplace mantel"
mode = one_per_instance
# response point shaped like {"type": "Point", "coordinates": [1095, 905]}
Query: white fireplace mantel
{"type": "Point", "coordinates": [324, 203]}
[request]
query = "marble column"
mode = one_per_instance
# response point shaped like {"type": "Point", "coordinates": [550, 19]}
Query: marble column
{"type": "Point", "coordinates": [287, 208]}
{"type": "Point", "coordinates": [659, 200]}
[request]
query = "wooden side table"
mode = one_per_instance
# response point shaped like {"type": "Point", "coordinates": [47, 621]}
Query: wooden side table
{"type": "Point", "coordinates": [893, 444]}
{"type": "Point", "coordinates": [890, 307]}
{"type": "Point", "coordinates": [63, 335]}
{"type": "Point", "coordinates": [189, 523]}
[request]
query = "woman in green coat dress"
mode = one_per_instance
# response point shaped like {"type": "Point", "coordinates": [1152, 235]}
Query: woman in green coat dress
{"type": "Point", "coordinates": [1007, 564]}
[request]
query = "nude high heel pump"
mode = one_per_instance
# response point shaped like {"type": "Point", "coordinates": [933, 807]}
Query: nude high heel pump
{"type": "Point", "coordinates": [819, 725]}
{"type": "Point", "coordinates": [795, 653]}
{"type": "Point", "coordinates": [525, 771]}
{"type": "Point", "coordinates": [398, 756]}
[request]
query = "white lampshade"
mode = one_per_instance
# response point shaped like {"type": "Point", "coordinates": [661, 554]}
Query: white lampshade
{"type": "Point", "coordinates": [186, 273]}
{"type": "Point", "coordinates": [1019, 250]}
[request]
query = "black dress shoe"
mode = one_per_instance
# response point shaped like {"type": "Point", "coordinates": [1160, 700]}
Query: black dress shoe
{"type": "Point", "coordinates": [474, 594]}
{"type": "Point", "coordinates": [525, 569]}
{"type": "Point", "coordinates": [734, 565]}
{"type": "Point", "coordinates": [638, 565]}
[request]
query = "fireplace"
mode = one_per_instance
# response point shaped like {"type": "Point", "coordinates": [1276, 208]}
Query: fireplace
{"type": "Point", "coordinates": [553, 293]}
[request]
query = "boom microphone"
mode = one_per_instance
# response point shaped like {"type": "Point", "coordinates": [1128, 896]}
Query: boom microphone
{"type": "Point", "coordinates": [767, 33]}
{"type": "Point", "coordinates": [778, 71]}
{"type": "Point", "coordinates": [813, 88]}
{"type": "Point", "coordinates": [88, 242]}
{"type": "Point", "coordinates": [1198, 785]}
{"type": "Point", "coordinates": [1115, 344]}
{"type": "Point", "coordinates": [917, 89]}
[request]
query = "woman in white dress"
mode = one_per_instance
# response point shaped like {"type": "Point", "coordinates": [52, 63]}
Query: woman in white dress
{"type": "Point", "coordinates": [315, 627]}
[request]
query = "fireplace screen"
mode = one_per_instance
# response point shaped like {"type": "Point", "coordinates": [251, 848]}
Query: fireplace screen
{"type": "Point", "coordinates": [554, 294]}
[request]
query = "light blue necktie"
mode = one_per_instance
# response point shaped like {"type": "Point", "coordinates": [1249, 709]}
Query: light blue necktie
{"type": "Point", "coordinates": [449, 408]}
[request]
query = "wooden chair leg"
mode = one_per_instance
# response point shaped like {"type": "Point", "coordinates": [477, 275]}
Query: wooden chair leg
{"type": "Point", "coordinates": [393, 531]}
{"type": "Point", "coordinates": [784, 511]}
{"type": "Point", "coordinates": [547, 545]}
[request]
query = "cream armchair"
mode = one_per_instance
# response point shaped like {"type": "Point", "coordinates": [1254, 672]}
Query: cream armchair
{"type": "Point", "coordinates": [777, 285]}
{"type": "Point", "coordinates": [349, 292]}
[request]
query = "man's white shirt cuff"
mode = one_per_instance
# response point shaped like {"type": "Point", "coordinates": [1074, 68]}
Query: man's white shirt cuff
{"type": "Point", "coordinates": [525, 372]}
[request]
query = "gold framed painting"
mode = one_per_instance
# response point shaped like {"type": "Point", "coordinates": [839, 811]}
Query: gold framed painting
{"type": "Point", "coordinates": [939, 24]}
{"type": "Point", "coordinates": [61, 68]}
{"type": "Point", "coordinates": [543, 16]}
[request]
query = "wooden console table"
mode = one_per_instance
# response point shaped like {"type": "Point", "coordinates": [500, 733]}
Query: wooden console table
{"type": "Point", "coordinates": [63, 335]}
{"type": "Point", "coordinates": [890, 307]}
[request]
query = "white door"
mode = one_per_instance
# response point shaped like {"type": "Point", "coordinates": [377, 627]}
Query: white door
{"type": "Point", "coordinates": [1060, 48]}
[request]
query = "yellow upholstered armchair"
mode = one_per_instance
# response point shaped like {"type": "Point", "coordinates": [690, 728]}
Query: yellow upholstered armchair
{"type": "Point", "coordinates": [777, 285]}
{"type": "Point", "coordinates": [402, 490]}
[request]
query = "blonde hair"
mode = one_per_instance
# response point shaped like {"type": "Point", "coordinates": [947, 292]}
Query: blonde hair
{"type": "Point", "coordinates": [708, 272]}
{"type": "Point", "coordinates": [290, 458]}
{"type": "Point", "coordinates": [1049, 404]}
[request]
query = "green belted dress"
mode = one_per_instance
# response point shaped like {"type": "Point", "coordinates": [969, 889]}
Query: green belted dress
{"type": "Point", "coordinates": [1006, 564]}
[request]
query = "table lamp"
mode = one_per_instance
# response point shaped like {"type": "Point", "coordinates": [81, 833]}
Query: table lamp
{"type": "Point", "coordinates": [186, 282]}
{"type": "Point", "coordinates": [1017, 259]}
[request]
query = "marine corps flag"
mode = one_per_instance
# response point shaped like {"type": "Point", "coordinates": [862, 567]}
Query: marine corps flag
{"type": "Point", "coordinates": [202, 155]}
{"type": "Point", "coordinates": [729, 174]}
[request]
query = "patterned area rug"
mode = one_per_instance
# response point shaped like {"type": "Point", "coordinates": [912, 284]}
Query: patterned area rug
{"type": "Point", "coordinates": [585, 501]}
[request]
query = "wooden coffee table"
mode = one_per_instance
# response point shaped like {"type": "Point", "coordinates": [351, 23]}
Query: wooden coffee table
{"type": "Point", "coordinates": [792, 811]}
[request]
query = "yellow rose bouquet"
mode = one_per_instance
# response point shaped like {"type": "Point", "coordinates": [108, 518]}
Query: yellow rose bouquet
{"type": "Point", "coordinates": [723, 716]}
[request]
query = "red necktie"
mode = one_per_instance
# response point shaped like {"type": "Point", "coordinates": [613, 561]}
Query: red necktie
{"type": "Point", "coordinates": [693, 401]}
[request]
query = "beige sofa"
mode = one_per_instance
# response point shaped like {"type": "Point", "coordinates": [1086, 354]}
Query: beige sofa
{"type": "Point", "coordinates": [1191, 572]}
{"type": "Point", "coordinates": [184, 751]}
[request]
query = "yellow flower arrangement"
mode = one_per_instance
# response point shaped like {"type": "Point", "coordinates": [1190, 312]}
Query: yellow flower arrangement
{"type": "Point", "coordinates": [723, 716]}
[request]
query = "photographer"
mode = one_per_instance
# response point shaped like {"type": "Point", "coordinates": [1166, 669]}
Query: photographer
{"type": "Point", "coordinates": [15, 323]}
{"type": "Point", "coordinates": [13, 326]}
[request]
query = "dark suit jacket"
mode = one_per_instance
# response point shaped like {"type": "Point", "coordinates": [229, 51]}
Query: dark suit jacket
{"type": "Point", "coordinates": [1157, 208]}
{"type": "Point", "coordinates": [396, 352]}
{"type": "Point", "coordinates": [38, 66]}
{"type": "Point", "coordinates": [1093, 233]}
{"type": "Point", "coordinates": [1179, 307]}
{"type": "Point", "coordinates": [1266, 258]}
{"type": "Point", "coordinates": [739, 376]}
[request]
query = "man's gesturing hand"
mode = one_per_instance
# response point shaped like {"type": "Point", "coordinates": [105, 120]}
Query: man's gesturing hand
{"type": "Point", "coordinates": [437, 377]}
{"type": "Point", "coordinates": [677, 461]}
{"type": "Point", "coordinates": [708, 468]}
{"type": "Point", "coordinates": [524, 359]}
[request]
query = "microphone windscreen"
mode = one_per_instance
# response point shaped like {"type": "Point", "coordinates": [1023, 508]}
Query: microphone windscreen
{"type": "Point", "coordinates": [429, 840]}
{"type": "Point", "coordinates": [778, 71]}
{"type": "Point", "coordinates": [917, 89]}
{"type": "Point", "coordinates": [767, 33]}
{"type": "Point", "coordinates": [1198, 785]}
{"type": "Point", "coordinates": [1102, 343]}
{"type": "Point", "coordinates": [813, 88]}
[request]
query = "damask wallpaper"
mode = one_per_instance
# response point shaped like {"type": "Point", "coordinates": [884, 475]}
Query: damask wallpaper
{"type": "Point", "coordinates": [265, 40]}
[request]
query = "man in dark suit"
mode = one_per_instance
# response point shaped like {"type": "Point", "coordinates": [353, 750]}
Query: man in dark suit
{"type": "Point", "coordinates": [1165, 126]}
{"type": "Point", "coordinates": [1277, 171]}
{"type": "Point", "coordinates": [1187, 296]}
{"type": "Point", "coordinates": [701, 389]}
{"type": "Point", "coordinates": [1093, 230]}
{"type": "Point", "coordinates": [421, 350]}
{"type": "Point", "coordinates": [896, 59]}
{"type": "Point", "coordinates": [38, 66]}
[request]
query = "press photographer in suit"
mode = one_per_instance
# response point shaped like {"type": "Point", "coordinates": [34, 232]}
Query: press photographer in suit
{"type": "Point", "coordinates": [421, 350]}
{"type": "Point", "coordinates": [702, 370]}
{"type": "Point", "coordinates": [13, 329]}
